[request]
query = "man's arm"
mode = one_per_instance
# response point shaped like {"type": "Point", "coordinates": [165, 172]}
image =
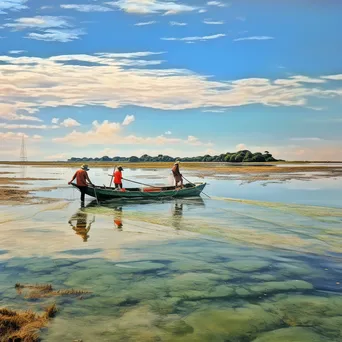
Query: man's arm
{"type": "Point", "coordinates": [73, 177]}
{"type": "Point", "coordinates": [87, 177]}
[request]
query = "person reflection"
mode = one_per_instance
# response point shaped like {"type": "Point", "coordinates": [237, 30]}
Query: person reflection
{"type": "Point", "coordinates": [118, 218]}
{"type": "Point", "coordinates": [81, 226]}
{"type": "Point", "coordinates": [177, 214]}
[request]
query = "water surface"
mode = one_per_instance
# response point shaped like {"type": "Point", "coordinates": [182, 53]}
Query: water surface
{"type": "Point", "coordinates": [253, 263]}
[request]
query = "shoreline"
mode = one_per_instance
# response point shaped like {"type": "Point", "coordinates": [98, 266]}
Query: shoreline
{"type": "Point", "coordinates": [12, 192]}
{"type": "Point", "coordinates": [206, 168]}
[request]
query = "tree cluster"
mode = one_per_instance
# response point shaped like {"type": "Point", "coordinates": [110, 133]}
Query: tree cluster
{"type": "Point", "coordinates": [236, 157]}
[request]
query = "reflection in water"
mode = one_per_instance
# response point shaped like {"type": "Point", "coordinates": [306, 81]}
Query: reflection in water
{"type": "Point", "coordinates": [177, 214]}
{"type": "Point", "coordinates": [148, 207]}
{"type": "Point", "coordinates": [118, 218]}
{"type": "Point", "coordinates": [82, 226]}
{"type": "Point", "coordinates": [23, 171]}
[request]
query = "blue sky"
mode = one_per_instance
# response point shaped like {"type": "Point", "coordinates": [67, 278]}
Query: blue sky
{"type": "Point", "coordinates": [187, 77]}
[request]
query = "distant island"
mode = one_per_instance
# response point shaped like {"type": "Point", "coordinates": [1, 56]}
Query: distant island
{"type": "Point", "coordinates": [237, 157]}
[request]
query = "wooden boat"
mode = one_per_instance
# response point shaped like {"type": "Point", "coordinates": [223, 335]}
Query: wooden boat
{"type": "Point", "coordinates": [104, 193]}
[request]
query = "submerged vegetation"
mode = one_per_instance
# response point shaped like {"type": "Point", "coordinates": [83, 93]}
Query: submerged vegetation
{"type": "Point", "coordinates": [23, 325]}
{"type": "Point", "coordinates": [235, 157]}
{"type": "Point", "coordinates": [46, 290]}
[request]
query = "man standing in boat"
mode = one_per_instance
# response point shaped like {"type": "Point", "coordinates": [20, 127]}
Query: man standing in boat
{"type": "Point", "coordinates": [118, 177]}
{"type": "Point", "coordinates": [177, 175]}
{"type": "Point", "coordinates": [82, 177]}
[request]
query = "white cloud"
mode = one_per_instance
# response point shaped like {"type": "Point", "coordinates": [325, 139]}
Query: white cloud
{"type": "Point", "coordinates": [46, 7]}
{"type": "Point", "coordinates": [145, 23]}
{"type": "Point", "coordinates": [176, 23]}
{"type": "Point", "coordinates": [87, 8]}
{"type": "Point", "coordinates": [192, 39]}
{"type": "Point", "coordinates": [12, 5]}
{"type": "Point", "coordinates": [306, 139]}
{"type": "Point", "coordinates": [50, 28]}
{"type": "Point", "coordinates": [38, 22]}
{"type": "Point", "coordinates": [52, 82]}
{"type": "Point", "coordinates": [241, 18]}
{"type": "Point", "coordinates": [241, 147]}
{"type": "Point", "coordinates": [333, 77]}
{"type": "Point", "coordinates": [216, 3]}
{"type": "Point", "coordinates": [5, 136]}
{"type": "Point", "coordinates": [55, 121]}
{"type": "Point", "coordinates": [57, 157]}
{"type": "Point", "coordinates": [253, 38]}
{"type": "Point", "coordinates": [24, 126]}
{"type": "Point", "coordinates": [297, 80]}
{"type": "Point", "coordinates": [151, 6]}
{"type": "Point", "coordinates": [128, 120]}
{"type": "Point", "coordinates": [111, 133]}
{"type": "Point", "coordinates": [70, 123]}
{"type": "Point", "coordinates": [37, 137]}
{"type": "Point", "coordinates": [315, 108]}
{"type": "Point", "coordinates": [13, 111]}
{"type": "Point", "coordinates": [211, 22]}
{"type": "Point", "coordinates": [168, 133]}
{"type": "Point", "coordinates": [194, 141]}
{"type": "Point", "coordinates": [213, 110]}
{"type": "Point", "coordinates": [99, 134]}
{"type": "Point", "coordinates": [62, 36]}
{"type": "Point", "coordinates": [16, 52]}
{"type": "Point", "coordinates": [202, 10]}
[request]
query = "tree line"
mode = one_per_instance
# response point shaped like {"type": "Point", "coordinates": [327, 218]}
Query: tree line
{"type": "Point", "coordinates": [236, 157]}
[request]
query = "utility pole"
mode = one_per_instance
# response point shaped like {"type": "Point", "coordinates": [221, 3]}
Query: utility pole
{"type": "Point", "coordinates": [23, 156]}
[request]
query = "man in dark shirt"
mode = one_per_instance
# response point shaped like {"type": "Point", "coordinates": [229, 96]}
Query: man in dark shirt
{"type": "Point", "coordinates": [177, 175]}
{"type": "Point", "coordinates": [82, 177]}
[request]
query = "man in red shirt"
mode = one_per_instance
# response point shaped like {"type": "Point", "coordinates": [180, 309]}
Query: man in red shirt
{"type": "Point", "coordinates": [177, 175]}
{"type": "Point", "coordinates": [82, 177]}
{"type": "Point", "coordinates": [118, 177]}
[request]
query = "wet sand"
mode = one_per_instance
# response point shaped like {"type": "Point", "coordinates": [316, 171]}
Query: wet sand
{"type": "Point", "coordinates": [205, 168]}
{"type": "Point", "coordinates": [11, 193]}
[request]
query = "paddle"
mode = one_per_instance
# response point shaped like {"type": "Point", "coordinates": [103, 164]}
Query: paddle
{"type": "Point", "coordinates": [94, 187]}
{"type": "Point", "coordinates": [111, 181]}
{"type": "Point", "coordinates": [128, 180]}
{"type": "Point", "coordinates": [194, 185]}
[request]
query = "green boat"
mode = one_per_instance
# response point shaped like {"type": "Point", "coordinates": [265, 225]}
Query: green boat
{"type": "Point", "coordinates": [103, 193]}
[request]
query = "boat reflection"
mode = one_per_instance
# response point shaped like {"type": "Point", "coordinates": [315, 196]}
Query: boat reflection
{"type": "Point", "coordinates": [178, 208]}
{"type": "Point", "coordinates": [177, 214]}
{"type": "Point", "coordinates": [118, 218]}
{"type": "Point", "coordinates": [81, 225]}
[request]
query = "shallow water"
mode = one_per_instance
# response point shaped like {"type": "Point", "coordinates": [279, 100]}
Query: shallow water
{"type": "Point", "coordinates": [253, 263]}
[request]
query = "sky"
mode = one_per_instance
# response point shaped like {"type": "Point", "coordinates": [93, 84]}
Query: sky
{"type": "Point", "coordinates": [87, 78]}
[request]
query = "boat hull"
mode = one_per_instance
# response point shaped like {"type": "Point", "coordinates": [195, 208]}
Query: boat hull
{"type": "Point", "coordinates": [104, 193]}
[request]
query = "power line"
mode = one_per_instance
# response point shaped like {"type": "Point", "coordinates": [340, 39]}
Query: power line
{"type": "Point", "coordinates": [23, 156]}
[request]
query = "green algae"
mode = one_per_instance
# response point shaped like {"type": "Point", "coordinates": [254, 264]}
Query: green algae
{"type": "Point", "coordinates": [248, 265]}
{"type": "Point", "coordinates": [295, 334]}
{"type": "Point", "coordinates": [280, 286]}
{"type": "Point", "coordinates": [263, 224]}
{"type": "Point", "coordinates": [177, 327]}
{"type": "Point", "coordinates": [230, 324]}
{"type": "Point", "coordinates": [316, 212]}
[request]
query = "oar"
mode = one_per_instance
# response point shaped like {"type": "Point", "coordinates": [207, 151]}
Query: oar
{"type": "Point", "coordinates": [194, 185]}
{"type": "Point", "coordinates": [96, 195]}
{"type": "Point", "coordinates": [112, 177]}
{"type": "Point", "coordinates": [128, 180]}
{"type": "Point", "coordinates": [152, 186]}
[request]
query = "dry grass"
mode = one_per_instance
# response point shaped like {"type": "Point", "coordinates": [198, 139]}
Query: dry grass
{"type": "Point", "coordinates": [23, 326]}
{"type": "Point", "coordinates": [46, 290]}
